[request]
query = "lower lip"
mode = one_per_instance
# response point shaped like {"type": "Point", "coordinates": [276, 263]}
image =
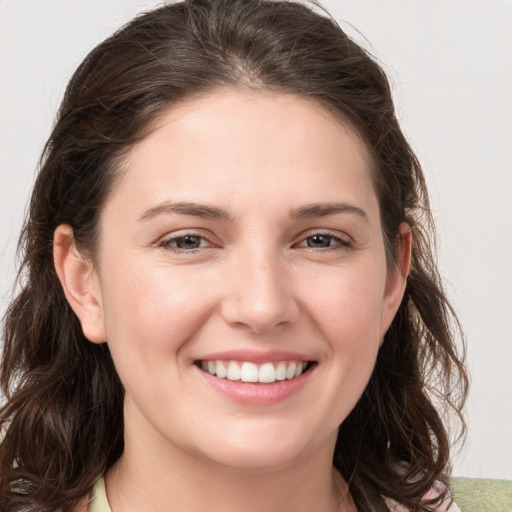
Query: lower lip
{"type": "Point", "coordinates": [257, 394]}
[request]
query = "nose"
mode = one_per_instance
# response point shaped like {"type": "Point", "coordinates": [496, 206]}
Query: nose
{"type": "Point", "coordinates": [258, 295]}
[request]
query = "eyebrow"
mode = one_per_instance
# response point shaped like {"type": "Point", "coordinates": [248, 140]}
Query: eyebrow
{"type": "Point", "coordinates": [323, 210]}
{"type": "Point", "coordinates": [186, 208]}
{"type": "Point", "coordinates": [213, 212]}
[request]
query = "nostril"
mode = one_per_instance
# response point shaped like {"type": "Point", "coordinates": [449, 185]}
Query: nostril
{"type": "Point", "coordinates": [258, 320]}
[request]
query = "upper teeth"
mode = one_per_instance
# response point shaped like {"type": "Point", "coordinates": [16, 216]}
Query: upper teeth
{"type": "Point", "coordinates": [251, 372]}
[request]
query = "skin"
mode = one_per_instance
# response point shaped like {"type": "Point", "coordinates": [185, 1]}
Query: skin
{"type": "Point", "coordinates": [258, 281]}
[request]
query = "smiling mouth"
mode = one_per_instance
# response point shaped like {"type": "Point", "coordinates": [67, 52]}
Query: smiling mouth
{"type": "Point", "coordinates": [246, 371]}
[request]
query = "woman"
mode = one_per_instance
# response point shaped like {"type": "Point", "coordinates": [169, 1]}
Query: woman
{"type": "Point", "coordinates": [229, 297]}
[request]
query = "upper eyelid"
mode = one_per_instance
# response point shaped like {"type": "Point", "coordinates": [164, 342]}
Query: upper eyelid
{"type": "Point", "coordinates": [180, 233]}
{"type": "Point", "coordinates": [341, 235]}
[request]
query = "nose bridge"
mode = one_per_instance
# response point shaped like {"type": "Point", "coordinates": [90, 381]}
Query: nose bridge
{"type": "Point", "coordinates": [260, 295]}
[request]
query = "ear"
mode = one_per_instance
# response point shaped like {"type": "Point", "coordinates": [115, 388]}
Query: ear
{"type": "Point", "coordinates": [80, 283]}
{"type": "Point", "coordinates": [397, 276]}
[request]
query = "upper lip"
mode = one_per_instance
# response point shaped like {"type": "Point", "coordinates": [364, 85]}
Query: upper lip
{"type": "Point", "coordinates": [255, 356]}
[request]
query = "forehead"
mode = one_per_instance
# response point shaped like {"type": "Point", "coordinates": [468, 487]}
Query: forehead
{"type": "Point", "coordinates": [230, 143]}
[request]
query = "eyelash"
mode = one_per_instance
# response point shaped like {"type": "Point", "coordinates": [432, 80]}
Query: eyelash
{"type": "Point", "coordinates": [339, 243]}
{"type": "Point", "coordinates": [167, 243]}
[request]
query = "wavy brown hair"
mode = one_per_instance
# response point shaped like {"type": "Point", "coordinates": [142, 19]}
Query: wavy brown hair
{"type": "Point", "coordinates": [62, 421]}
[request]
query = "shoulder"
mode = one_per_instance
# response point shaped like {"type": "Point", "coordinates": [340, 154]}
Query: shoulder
{"type": "Point", "coordinates": [448, 505]}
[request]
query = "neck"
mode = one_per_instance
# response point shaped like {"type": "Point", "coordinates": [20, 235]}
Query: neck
{"type": "Point", "coordinates": [223, 491]}
{"type": "Point", "coordinates": [160, 476]}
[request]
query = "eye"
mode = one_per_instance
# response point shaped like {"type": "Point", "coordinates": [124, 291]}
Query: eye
{"type": "Point", "coordinates": [320, 241]}
{"type": "Point", "coordinates": [323, 241]}
{"type": "Point", "coordinates": [185, 243]}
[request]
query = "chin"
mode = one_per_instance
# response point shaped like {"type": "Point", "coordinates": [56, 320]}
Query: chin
{"type": "Point", "coordinates": [253, 461]}
{"type": "Point", "coordinates": [263, 451]}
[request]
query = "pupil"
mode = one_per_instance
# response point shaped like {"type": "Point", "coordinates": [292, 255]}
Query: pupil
{"type": "Point", "coordinates": [319, 241]}
{"type": "Point", "coordinates": [188, 242]}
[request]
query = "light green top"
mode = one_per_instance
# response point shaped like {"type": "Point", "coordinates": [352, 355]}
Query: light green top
{"type": "Point", "coordinates": [99, 501]}
{"type": "Point", "coordinates": [471, 494]}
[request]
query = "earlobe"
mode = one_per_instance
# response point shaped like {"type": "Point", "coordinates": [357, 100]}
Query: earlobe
{"type": "Point", "coordinates": [80, 284]}
{"type": "Point", "coordinates": [397, 276]}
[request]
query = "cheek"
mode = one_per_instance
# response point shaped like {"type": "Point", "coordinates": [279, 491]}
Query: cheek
{"type": "Point", "coordinates": [347, 307]}
{"type": "Point", "coordinates": [153, 311]}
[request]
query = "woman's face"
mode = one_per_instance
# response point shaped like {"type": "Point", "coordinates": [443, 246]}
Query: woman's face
{"type": "Point", "coordinates": [243, 243]}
